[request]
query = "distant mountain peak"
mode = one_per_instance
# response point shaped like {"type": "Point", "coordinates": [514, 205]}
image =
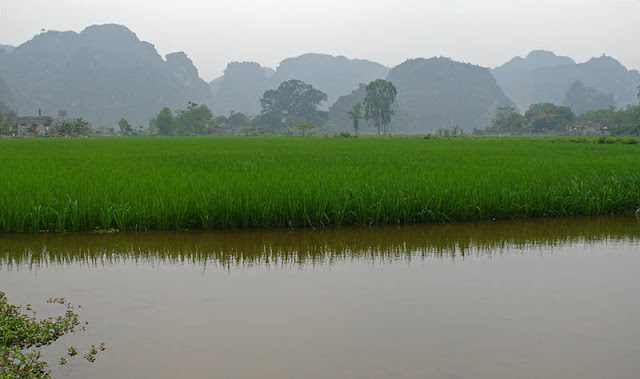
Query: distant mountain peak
{"type": "Point", "coordinates": [605, 60]}
{"type": "Point", "coordinates": [184, 69]}
{"type": "Point", "coordinates": [581, 98]}
{"type": "Point", "coordinates": [102, 74]}
{"type": "Point", "coordinates": [440, 92]}
{"type": "Point", "coordinates": [6, 49]}
{"type": "Point", "coordinates": [179, 56]}
{"type": "Point", "coordinates": [114, 30]}
{"type": "Point", "coordinates": [534, 54]}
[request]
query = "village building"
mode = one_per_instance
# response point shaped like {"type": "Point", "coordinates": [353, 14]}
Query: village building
{"type": "Point", "coordinates": [42, 125]}
{"type": "Point", "coordinates": [587, 128]}
{"type": "Point", "coordinates": [36, 125]}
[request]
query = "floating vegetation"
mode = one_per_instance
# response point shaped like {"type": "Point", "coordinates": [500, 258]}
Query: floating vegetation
{"type": "Point", "coordinates": [22, 336]}
{"type": "Point", "coordinates": [118, 184]}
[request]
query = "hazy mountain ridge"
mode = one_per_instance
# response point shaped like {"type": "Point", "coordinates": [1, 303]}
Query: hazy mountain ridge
{"type": "Point", "coordinates": [544, 77]}
{"type": "Point", "coordinates": [334, 75]}
{"type": "Point", "coordinates": [441, 93]}
{"type": "Point", "coordinates": [240, 88]}
{"type": "Point", "coordinates": [338, 111]}
{"type": "Point", "coordinates": [102, 74]}
{"type": "Point", "coordinates": [244, 83]}
{"type": "Point", "coordinates": [581, 99]}
{"type": "Point", "coordinates": [515, 76]}
{"type": "Point", "coordinates": [604, 74]}
{"type": "Point", "coordinates": [6, 100]}
{"type": "Point", "coordinates": [105, 72]}
{"type": "Point", "coordinates": [6, 48]}
{"type": "Point", "coordinates": [432, 94]}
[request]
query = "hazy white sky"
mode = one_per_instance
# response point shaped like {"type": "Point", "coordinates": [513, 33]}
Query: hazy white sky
{"type": "Point", "coordinates": [212, 33]}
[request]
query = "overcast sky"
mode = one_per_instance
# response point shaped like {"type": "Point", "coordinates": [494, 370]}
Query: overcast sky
{"type": "Point", "coordinates": [212, 33]}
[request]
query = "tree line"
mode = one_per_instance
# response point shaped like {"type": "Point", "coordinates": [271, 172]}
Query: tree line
{"type": "Point", "coordinates": [292, 107]}
{"type": "Point", "coordinates": [550, 118]}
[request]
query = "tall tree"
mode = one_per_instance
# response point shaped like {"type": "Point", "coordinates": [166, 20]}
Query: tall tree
{"type": "Point", "coordinates": [547, 117]}
{"type": "Point", "coordinates": [196, 119]}
{"type": "Point", "coordinates": [239, 119]}
{"type": "Point", "coordinates": [355, 114]}
{"type": "Point", "coordinates": [7, 121]}
{"type": "Point", "coordinates": [292, 98]}
{"type": "Point", "coordinates": [377, 103]}
{"type": "Point", "coordinates": [125, 127]}
{"type": "Point", "coordinates": [507, 120]}
{"type": "Point", "coordinates": [163, 122]}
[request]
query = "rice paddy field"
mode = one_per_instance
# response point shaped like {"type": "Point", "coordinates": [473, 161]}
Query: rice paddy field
{"type": "Point", "coordinates": [172, 183]}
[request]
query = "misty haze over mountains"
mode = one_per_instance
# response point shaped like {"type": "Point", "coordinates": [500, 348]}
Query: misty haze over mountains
{"type": "Point", "coordinates": [102, 74]}
{"type": "Point", "coordinates": [544, 77]}
{"type": "Point", "coordinates": [106, 73]}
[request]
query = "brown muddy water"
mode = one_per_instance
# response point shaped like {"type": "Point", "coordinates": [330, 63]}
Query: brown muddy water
{"type": "Point", "coordinates": [530, 299]}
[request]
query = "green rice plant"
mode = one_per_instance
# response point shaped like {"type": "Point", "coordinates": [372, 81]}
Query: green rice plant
{"type": "Point", "coordinates": [236, 182]}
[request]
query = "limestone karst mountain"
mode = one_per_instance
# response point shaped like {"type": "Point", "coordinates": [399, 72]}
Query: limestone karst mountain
{"type": "Point", "coordinates": [581, 99]}
{"type": "Point", "coordinates": [544, 77]}
{"type": "Point", "coordinates": [335, 76]}
{"type": "Point", "coordinates": [102, 74]}
{"type": "Point", "coordinates": [515, 76]}
{"type": "Point", "coordinates": [604, 74]}
{"type": "Point", "coordinates": [6, 48]}
{"type": "Point", "coordinates": [441, 93]}
{"type": "Point", "coordinates": [6, 100]}
{"type": "Point", "coordinates": [432, 94]}
{"type": "Point", "coordinates": [243, 84]}
{"type": "Point", "coordinates": [240, 88]}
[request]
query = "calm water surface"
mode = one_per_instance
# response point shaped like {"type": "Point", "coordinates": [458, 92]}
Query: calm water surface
{"type": "Point", "coordinates": [533, 299]}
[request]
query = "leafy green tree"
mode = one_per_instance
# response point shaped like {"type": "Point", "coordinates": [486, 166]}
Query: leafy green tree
{"type": "Point", "coordinates": [621, 122]}
{"type": "Point", "coordinates": [303, 128]}
{"type": "Point", "coordinates": [238, 119]}
{"type": "Point", "coordinates": [64, 128]}
{"type": "Point", "coordinates": [196, 119]}
{"type": "Point", "coordinates": [80, 127]}
{"type": "Point", "coordinates": [163, 123]}
{"type": "Point", "coordinates": [547, 117]}
{"type": "Point", "coordinates": [293, 97]}
{"type": "Point", "coordinates": [291, 121]}
{"type": "Point", "coordinates": [377, 103]}
{"type": "Point", "coordinates": [507, 120]}
{"type": "Point", "coordinates": [7, 121]}
{"type": "Point", "coordinates": [125, 127]}
{"type": "Point", "coordinates": [457, 131]}
{"type": "Point", "coordinates": [5, 127]}
{"type": "Point", "coordinates": [477, 132]}
{"type": "Point", "coordinates": [355, 114]}
{"type": "Point", "coordinates": [219, 120]}
{"type": "Point", "coordinates": [76, 128]}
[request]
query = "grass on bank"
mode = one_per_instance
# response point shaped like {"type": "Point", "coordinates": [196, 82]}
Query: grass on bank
{"type": "Point", "coordinates": [246, 182]}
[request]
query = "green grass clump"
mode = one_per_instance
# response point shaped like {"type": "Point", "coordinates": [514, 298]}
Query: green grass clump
{"type": "Point", "coordinates": [242, 182]}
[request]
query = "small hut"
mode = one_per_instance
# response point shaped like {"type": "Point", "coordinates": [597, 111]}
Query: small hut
{"type": "Point", "coordinates": [36, 125]}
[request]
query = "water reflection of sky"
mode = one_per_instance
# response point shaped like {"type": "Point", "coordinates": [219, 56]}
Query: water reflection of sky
{"type": "Point", "coordinates": [525, 299]}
